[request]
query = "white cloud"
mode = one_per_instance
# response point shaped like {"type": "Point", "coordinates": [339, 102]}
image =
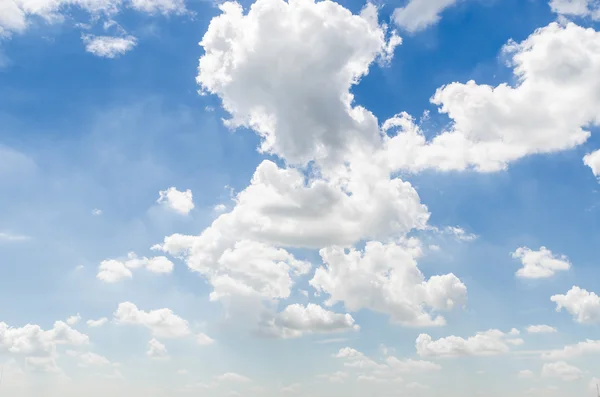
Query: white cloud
{"type": "Point", "coordinates": [420, 14]}
{"type": "Point", "coordinates": [157, 350]}
{"type": "Point", "coordinates": [296, 320]}
{"type": "Point", "coordinates": [349, 197]}
{"type": "Point", "coordinates": [107, 46]}
{"type": "Point", "coordinates": [89, 359]}
{"type": "Point", "coordinates": [12, 237]}
{"type": "Point", "coordinates": [561, 370]}
{"type": "Point", "coordinates": [32, 340]}
{"type": "Point", "coordinates": [74, 319]}
{"type": "Point", "coordinates": [539, 264]}
{"type": "Point", "coordinates": [97, 323]}
{"type": "Point", "coordinates": [525, 374]}
{"type": "Point", "coordinates": [42, 364]}
{"type": "Point", "coordinates": [572, 351]}
{"type": "Point", "coordinates": [163, 323]}
{"type": "Point", "coordinates": [390, 369]}
{"type": "Point", "coordinates": [204, 340]}
{"type": "Point", "coordinates": [220, 208]}
{"type": "Point", "coordinates": [549, 109]}
{"type": "Point", "coordinates": [232, 377]}
{"type": "Point", "coordinates": [385, 278]}
{"type": "Point", "coordinates": [336, 377]}
{"type": "Point", "coordinates": [584, 306]}
{"type": "Point", "coordinates": [16, 15]}
{"type": "Point", "coordinates": [578, 8]}
{"type": "Point", "coordinates": [159, 6]}
{"type": "Point", "coordinates": [300, 116]}
{"type": "Point", "coordinates": [592, 160]}
{"type": "Point", "coordinates": [180, 202]}
{"type": "Point", "coordinates": [487, 343]}
{"type": "Point", "coordinates": [96, 212]}
{"type": "Point", "coordinates": [112, 270]}
{"type": "Point", "coordinates": [540, 329]}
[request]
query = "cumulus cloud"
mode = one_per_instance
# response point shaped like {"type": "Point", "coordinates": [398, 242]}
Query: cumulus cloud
{"type": "Point", "coordinates": [72, 320]}
{"type": "Point", "coordinates": [577, 8]}
{"type": "Point", "coordinates": [525, 374]}
{"type": "Point", "coordinates": [350, 195]}
{"type": "Point", "coordinates": [38, 346]}
{"type": "Point", "coordinates": [89, 359]}
{"type": "Point", "coordinates": [391, 368]}
{"type": "Point", "coordinates": [385, 278]}
{"type": "Point", "coordinates": [540, 329]}
{"type": "Point", "coordinates": [180, 202]}
{"type": "Point", "coordinates": [549, 109]}
{"type": "Point", "coordinates": [12, 237]}
{"type": "Point", "coordinates": [572, 351]}
{"type": "Point", "coordinates": [163, 323]}
{"type": "Point", "coordinates": [420, 14]}
{"type": "Point", "coordinates": [539, 264]}
{"type": "Point", "coordinates": [17, 15]}
{"type": "Point", "coordinates": [204, 340]}
{"type": "Point", "coordinates": [584, 306]}
{"type": "Point", "coordinates": [107, 46]}
{"type": "Point", "coordinates": [97, 323]}
{"type": "Point", "coordinates": [113, 270]}
{"type": "Point", "coordinates": [561, 370]}
{"type": "Point", "coordinates": [592, 160]}
{"type": "Point", "coordinates": [296, 320]}
{"type": "Point", "coordinates": [299, 115]}
{"type": "Point", "coordinates": [232, 377]}
{"type": "Point", "coordinates": [164, 7]}
{"type": "Point", "coordinates": [487, 343]}
{"type": "Point", "coordinates": [157, 350]}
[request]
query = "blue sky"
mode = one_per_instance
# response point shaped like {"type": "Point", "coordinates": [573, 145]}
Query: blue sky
{"type": "Point", "coordinates": [314, 245]}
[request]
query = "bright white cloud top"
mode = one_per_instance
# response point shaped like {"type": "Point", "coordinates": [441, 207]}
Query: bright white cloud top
{"type": "Point", "coordinates": [360, 240]}
{"type": "Point", "coordinates": [180, 202]}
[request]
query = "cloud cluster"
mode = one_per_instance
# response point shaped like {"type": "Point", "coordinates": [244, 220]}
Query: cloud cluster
{"type": "Point", "coordinates": [539, 264]}
{"type": "Point", "coordinates": [348, 196]}
{"type": "Point", "coordinates": [487, 343]}
{"type": "Point", "coordinates": [113, 270]}
{"type": "Point", "coordinates": [180, 202]}
{"type": "Point", "coordinates": [389, 369]}
{"type": "Point", "coordinates": [38, 346]}
{"type": "Point", "coordinates": [108, 47]}
{"type": "Point", "coordinates": [582, 304]}
{"type": "Point", "coordinates": [17, 15]}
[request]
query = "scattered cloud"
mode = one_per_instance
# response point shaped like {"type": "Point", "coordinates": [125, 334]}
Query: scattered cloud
{"type": "Point", "coordinates": [97, 323]}
{"type": "Point", "coordinates": [561, 370]}
{"type": "Point", "coordinates": [576, 8]}
{"type": "Point", "coordinates": [592, 160]}
{"type": "Point", "coordinates": [157, 350]}
{"type": "Point", "coordinates": [583, 305]}
{"type": "Point", "coordinates": [572, 351]}
{"type": "Point", "coordinates": [180, 202]}
{"type": "Point", "coordinates": [525, 374]}
{"type": "Point", "coordinates": [540, 329]}
{"type": "Point", "coordinates": [487, 343]}
{"type": "Point", "coordinates": [74, 319]}
{"type": "Point", "coordinates": [539, 264]}
{"type": "Point", "coordinates": [232, 377]}
{"type": "Point", "coordinates": [113, 270]}
{"type": "Point", "coordinates": [296, 320]}
{"type": "Point", "coordinates": [418, 15]}
{"type": "Point", "coordinates": [11, 237]}
{"type": "Point", "coordinates": [163, 323]}
{"type": "Point", "coordinates": [107, 46]}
